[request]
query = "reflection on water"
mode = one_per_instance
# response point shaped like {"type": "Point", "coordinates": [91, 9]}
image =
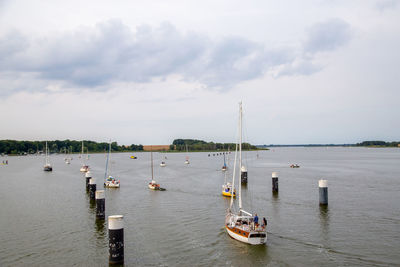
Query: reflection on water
{"type": "Point", "coordinates": [324, 221]}
{"type": "Point", "coordinates": [100, 226]}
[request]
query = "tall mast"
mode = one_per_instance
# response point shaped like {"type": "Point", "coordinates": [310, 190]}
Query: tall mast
{"type": "Point", "coordinates": [82, 155]}
{"type": "Point", "coordinates": [234, 170]}
{"type": "Point", "coordinates": [151, 163]}
{"type": "Point", "coordinates": [240, 155]}
{"type": "Point", "coordinates": [47, 157]}
{"type": "Point", "coordinates": [108, 156]}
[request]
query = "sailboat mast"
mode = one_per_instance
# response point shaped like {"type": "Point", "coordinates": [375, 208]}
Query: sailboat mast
{"type": "Point", "coordinates": [152, 164]}
{"type": "Point", "coordinates": [108, 156]}
{"type": "Point", "coordinates": [224, 160]}
{"type": "Point", "coordinates": [47, 155]}
{"type": "Point", "coordinates": [240, 155]}
{"type": "Point", "coordinates": [234, 169]}
{"type": "Point", "coordinates": [82, 154]}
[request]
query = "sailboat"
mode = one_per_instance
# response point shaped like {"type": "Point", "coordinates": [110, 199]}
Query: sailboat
{"type": "Point", "coordinates": [110, 181]}
{"type": "Point", "coordinates": [242, 225]}
{"type": "Point", "coordinates": [47, 166]}
{"type": "Point", "coordinates": [153, 184]}
{"type": "Point", "coordinates": [187, 157]}
{"type": "Point", "coordinates": [227, 188]}
{"type": "Point", "coordinates": [67, 159]}
{"type": "Point", "coordinates": [224, 167]}
{"type": "Point", "coordinates": [163, 163]}
{"type": "Point", "coordinates": [84, 167]}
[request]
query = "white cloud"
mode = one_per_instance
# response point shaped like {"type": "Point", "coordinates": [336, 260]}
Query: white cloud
{"type": "Point", "coordinates": [94, 57]}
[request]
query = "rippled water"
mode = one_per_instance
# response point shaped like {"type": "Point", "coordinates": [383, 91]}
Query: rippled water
{"type": "Point", "coordinates": [46, 218]}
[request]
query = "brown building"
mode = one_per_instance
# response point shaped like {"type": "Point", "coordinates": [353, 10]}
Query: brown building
{"type": "Point", "coordinates": [156, 148]}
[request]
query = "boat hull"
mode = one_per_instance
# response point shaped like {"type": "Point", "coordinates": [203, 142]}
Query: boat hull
{"type": "Point", "coordinates": [228, 194]}
{"type": "Point", "coordinates": [246, 237]}
{"type": "Point", "coordinates": [47, 169]}
{"type": "Point", "coordinates": [84, 168]}
{"type": "Point", "coordinates": [110, 185]}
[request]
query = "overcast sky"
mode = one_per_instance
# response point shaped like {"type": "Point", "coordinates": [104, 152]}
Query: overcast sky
{"type": "Point", "coordinates": [147, 72]}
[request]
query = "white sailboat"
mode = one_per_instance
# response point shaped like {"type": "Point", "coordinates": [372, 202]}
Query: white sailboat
{"type": "Point", "coordinates": [84, 167]}
{"type": "Point", "coordinates": [47, 166]}
{"type": "Point", "coordinates": [110, 181]}
{"type": "Point", "coordinates": [224, 167]}
{"type": "Point", "coordinates": [163, 163]}
{"type": "Point", "coordinates": [153, 185]}
{"type": "Point", "coordinates": [187, 156]}
{"type": "Point", "coordinates": [242, 225]}
{"type": "Point", "coordinates": [67, 159]}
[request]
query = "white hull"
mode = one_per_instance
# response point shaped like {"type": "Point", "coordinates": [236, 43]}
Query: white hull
{"type": "Point", "coordinates": [152, 187]}
{"type": "Point", "coordinates": [111, 185]}
{"type": "Point", "coordinates": [84, 169]}
{"type": "Point", "coordinates": [251, 240]}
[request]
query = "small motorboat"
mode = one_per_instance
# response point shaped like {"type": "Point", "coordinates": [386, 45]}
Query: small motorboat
{"type": "Point", "coordinates": [294, 166]}
{"type": "Point", "coordinates": [163, 164]}
{"type": "Point", "coordinates": [133, 157]}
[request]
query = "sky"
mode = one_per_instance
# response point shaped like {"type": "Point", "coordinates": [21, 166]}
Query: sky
{"type": "Point", "coordinates": [148, 72]}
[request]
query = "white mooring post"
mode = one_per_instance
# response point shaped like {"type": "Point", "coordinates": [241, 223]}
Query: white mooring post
{"type": "Point", "coordinates": [100, 204]}
{"type": "Point", "coordinates": [323, 192]}
{"type": "Point", "coordinates": [116, 239]}
{"type": "Point", "coordinates": [92, 189]}
{"type": "Point", "coordinates": [88, 175]}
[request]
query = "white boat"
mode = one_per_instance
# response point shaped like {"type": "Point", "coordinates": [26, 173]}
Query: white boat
{"type": "Point", "coordinates": [84, 167]}
{"type": "Point", "coordinates": [47, 166]}
{"type": "Point", "coordinates": [110, 181]}
{"type": "Point", "coordinates": [153, 185]}
{"type": "Point", "coordinates": [242, 225]}
{"type": "Point", "coordinates": [224, 167]}
{"type": "Point", "coordinates": [187, 157]}
{"type": "Point", "coordinates": [163, 164]}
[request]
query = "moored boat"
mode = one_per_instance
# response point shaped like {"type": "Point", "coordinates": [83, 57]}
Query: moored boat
{"type": "Point", "coordinates": [153, 185]}
{"type": "Point", "coordinates": [47, 166]}
{"type": "Point", "coordinates": [84, 167]}
{"type": "Point", "coordinates": [110, 181]}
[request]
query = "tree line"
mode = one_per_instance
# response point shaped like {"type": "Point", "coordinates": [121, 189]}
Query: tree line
{"type": "Point", "coordinates": [61, 146]}
{"type": "Point", "coordinates": [378, 143]}
{"type": "Point", "coordinates": [200, 145]}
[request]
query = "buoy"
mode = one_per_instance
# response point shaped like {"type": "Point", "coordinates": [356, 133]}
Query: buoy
{"type": "Point", "coordinates": [323, 192]}
{"type": "Point", "coordinates": [100, 204]}
{"type": "Point", "coordinates": [116, 239]}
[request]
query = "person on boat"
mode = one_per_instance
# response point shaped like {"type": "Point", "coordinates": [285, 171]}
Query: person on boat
{"type": "Point", "coordinates": [256, 220]}
{"type": "Point", "coordinates": [264, 222]}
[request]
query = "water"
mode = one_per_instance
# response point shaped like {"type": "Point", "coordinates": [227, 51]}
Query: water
{"type": "Point", "coordinates": [46, 218]}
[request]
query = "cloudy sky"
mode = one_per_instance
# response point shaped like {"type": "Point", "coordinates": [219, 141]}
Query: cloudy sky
{"type": "Point", "coordinates": [314, 71]}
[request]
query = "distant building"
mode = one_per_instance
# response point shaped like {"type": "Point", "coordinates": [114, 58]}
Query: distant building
{"type": "Point", "coordinates": [156, 148]}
